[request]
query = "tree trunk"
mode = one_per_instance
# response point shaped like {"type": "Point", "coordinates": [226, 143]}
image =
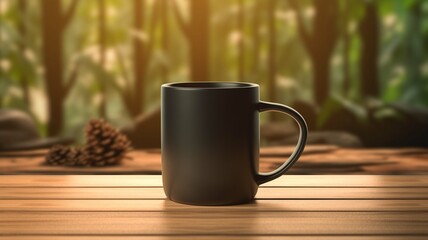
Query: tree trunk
{"type": "Point", "coordinates": [165, 39]}
{"type": "Point", "coordinates": [272, 55]}
{"type": "Point", "coordinates": [369, 32]}
{"type": "Point", "coordinates": [256, 37]}
{"type": "Point", "coordinates": [346, 38]}
{"type": "Point", "coordinates": [199, 40]}
{"type": "Point", "coordinates": [138, 95]}
{"type": "Point", "coordinates": [53, 24]}
{"type": "Point", "coordinates": [321, 66]}
{"type": "Point", "coordinates": [320, 42]}
{"type": "Point", "coordinates": [52, 32]}
{"type": "Point", "coordinates": [346, 70]}
{"type": "Point", "coordinates": [414, 54]}
{"type": "Point", "coordinates": [241, 48]}
{"type": "Point", "coordinates": [22, 5]}
{"type": "Point", "coordinates": [102, 49]}
{"type": "Point", "coordinates": [134, 96]}
{"type": "Point", "coordinates": [323, 42]}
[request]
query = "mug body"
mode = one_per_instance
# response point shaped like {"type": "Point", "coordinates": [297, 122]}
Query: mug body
{"type": "Point", "coordinates": [210, 142]}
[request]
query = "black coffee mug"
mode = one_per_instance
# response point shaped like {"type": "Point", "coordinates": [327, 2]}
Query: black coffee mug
{"type": "Point", "coordinates": [210, 142]}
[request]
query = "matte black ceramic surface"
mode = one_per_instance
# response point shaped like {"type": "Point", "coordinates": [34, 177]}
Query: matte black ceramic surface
{"type": "Point", "coordinates": [210, 142]}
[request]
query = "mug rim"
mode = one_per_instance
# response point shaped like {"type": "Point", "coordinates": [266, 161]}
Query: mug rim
{"type": "Point", "coordinates": [209, 85]}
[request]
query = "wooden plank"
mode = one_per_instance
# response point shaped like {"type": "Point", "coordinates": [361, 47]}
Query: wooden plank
{"type": "Point", "coordinates": [263, 193]}
{"type": "Point", "coordinates": [257, 206]}
{"type": "Point", "coordinates": [155, 181]}
{"type": "Point", "coordinates": [350, 181]}
{"type": "Point", "coordinates": [216, 224]}
{"type": "Point", "coordinates": [83, 193]}
{"type": "Point", "coordinates": [224, 237]}
{"type": "Point", "coordinates": [81, 181]}
{"type": "Point", "coordinates": [341, 193]}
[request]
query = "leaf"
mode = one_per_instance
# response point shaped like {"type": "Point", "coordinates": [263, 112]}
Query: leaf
{"type": "Point", "coordinates": [337, 103]}
{"type": "Point", "coordinates": [387, 113]}
{"type": "Point", "coordinates": [329, 107]}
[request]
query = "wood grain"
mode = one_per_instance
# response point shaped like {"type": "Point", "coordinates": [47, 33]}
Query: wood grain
{"type": "Point", "coordinates": [263, 193]}
{"type": "Point", "coordinates": [213, 223]}
{"type": "Point", "coordinates": [321, 181]}
{"type": "Point", "coordinates": [291, 207]}
{"type": "Point", "coordinates": [223, 237]}
{"type": "Point", "coordinates": [350, 181]}
{"type": "Point", "coordinates": [258, 205]}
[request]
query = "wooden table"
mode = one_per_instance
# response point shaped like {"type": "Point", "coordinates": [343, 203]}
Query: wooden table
{"type": "Point", "coordinates": [134, 207]}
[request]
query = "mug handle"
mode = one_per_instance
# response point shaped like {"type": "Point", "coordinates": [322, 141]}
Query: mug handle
{"type": "Point", "coordinates": [267, 106]}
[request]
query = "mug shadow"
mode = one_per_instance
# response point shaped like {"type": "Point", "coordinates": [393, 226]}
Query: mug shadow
{"type": "Point", "coordinates": [249, 220]}
{"type": "Point", "coordinates": [232, 220]}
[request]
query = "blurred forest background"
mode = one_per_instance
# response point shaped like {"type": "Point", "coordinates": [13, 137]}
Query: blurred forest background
{"type": "Point", "coordinates": [349, 65]}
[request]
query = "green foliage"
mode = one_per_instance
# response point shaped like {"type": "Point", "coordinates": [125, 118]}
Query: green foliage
{"type": "Point", "coordinates": [335, 104]}
{"type": "Point", "coordinates": [21, 59]}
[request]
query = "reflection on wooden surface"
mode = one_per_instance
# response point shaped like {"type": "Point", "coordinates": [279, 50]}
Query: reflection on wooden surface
{"type": "Point", "coordinates": [127, 207]}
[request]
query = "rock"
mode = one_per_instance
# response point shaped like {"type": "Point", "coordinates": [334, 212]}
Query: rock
{"type": "Point", "coordinates": [309, 111]}
{"type": "Point", "coordinates": [145, 131]}
{"type": "Point", "coordinates": [397, 125]}
{"type": "Point", "coordinates": [341, 139]}
{"type": "Point", "coordinates": [341, 115]}
{"type": "Point", "coordinates": [16, 126]}
{"type": "Point", "coordinates": [18, 131]}
{"type": "Point", "coordinates": [378, 124]}
{"type": "Point", "coordinates": [274, 131]}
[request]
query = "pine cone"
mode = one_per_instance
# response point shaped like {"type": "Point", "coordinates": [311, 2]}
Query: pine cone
{"type": "Point", "coordinates": [79, 158]}
{"type": "Point", "coordinates": [105, 145]}
{"type": "Point", "coordinates": [59, 155]}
